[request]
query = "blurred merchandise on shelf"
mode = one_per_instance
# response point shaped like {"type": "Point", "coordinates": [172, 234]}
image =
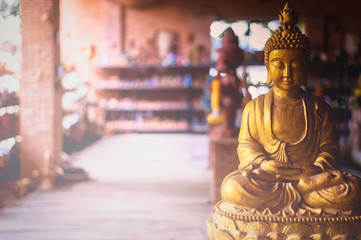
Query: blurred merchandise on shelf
{"type": "Point", "coordinates": [156, 81]}
{"type": "Point", "coordinates": [67, 173]}
{"type": "Point", "coordinates": [147, 125]}
{"type": "Point", "coordinates": [8, 99]}
{"type": "Point", "coordinates": [148, 99]}
{"type": "Point", "coordinates": [77, 131]}
{"type": "Point", "coordinates": [355, 98]}
{"type": "Point", "coordinates": [9, 102]}
{"type": "Point", "coordinates": [9, 159]}
{"type": "Point", "coordinates": [162, 49]}
{"type": "Point", "coordinates": [9, 122]}
{"type": "Point", "coordinates": [355, 122]}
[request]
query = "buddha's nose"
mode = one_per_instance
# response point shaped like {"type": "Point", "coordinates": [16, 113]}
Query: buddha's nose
{"type": "Point", "coordinates": [287, 71]}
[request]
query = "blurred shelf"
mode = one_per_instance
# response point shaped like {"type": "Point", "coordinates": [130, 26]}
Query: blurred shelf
{"type": "Point", "coordinates": [155, 88]}
{"type": "Point", "coordinates": [152, 109]}
{"type": "Point", "coordinates": [199, 128]}
{"type": "Point", "coordinates": [131, 126]}
{"type": "Point", "coordinates": [108, 69]}
{"type": "Point", "coordinates": [140, 94]}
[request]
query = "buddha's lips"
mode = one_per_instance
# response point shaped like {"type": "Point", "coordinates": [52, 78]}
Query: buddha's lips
{"type": "Point", "coordinates": [287, 81]}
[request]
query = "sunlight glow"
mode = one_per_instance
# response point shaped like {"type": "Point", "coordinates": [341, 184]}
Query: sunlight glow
{"type": "Point", "coordinates": [258, 37]}
{"type": "Point", "coordinates": [9, 83]}
{"type": "Point", "coordinates": [253, 91]}
{"type": "Point", "coordinates": [6, 145]}
{"type": "Point", "coordinates": [213, 72]}
{"type": "Point", "coordinates": [273, 25]}
{"type": "Point", "coordinates": [217, 28]}
{"type": "Point", "coordinates": [10, 26]}
{"type": "Point", "coordinates": [240, 27]}
{"type": "Point", "coordinates": [257, 74]}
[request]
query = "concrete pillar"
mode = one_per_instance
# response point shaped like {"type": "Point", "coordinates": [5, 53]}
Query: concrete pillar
{"type": "Point", "coordinates": [40, 89]}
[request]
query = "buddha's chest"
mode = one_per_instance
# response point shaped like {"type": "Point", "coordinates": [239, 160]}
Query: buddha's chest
{"type": "Point", "coordinates": [288, 122]}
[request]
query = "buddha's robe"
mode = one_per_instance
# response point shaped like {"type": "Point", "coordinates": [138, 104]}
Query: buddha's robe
{"type": "Point", "coordinates": [317, 145]}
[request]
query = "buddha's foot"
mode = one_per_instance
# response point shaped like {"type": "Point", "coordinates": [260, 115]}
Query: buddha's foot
{"type": "Point", "coordinates": [233, 225]}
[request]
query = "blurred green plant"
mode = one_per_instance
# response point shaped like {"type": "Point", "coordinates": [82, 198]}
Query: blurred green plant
{"type": "Point", "coordinates": [355, 98]}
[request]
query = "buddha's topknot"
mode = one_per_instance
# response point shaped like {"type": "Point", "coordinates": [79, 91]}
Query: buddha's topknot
{"type": "Point", "coordinates": [287, 36]}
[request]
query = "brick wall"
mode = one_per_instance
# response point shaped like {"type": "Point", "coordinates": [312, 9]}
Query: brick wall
{"type": "Point", "coordinates": [89, 31]}
{"type": "Point", "coordinates": [40, 120]}
{"type": "Point", "coordinates": [191, 27]}
{"type": "Point", "coordinates": [98, 23]}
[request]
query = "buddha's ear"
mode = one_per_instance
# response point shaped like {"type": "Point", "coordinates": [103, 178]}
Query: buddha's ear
{"type": "Point", "coordinates": [269, 81]}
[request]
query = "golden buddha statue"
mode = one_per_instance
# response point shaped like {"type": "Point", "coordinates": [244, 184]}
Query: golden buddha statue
{"type": "Point", "coordinates": [288, 152]}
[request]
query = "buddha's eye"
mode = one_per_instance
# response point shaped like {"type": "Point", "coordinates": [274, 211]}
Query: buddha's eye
{"type": "Point", "coordinates": [297, 64]}
{"type": "Point", "coordinates": [278, 64]}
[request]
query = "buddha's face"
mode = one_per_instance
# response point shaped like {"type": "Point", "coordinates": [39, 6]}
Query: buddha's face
{"type": "Point", "coordinates": [287, 69]}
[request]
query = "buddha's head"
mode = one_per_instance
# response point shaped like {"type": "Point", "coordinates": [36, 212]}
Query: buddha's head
{"type": "Point", "coordinates": [287, 53]}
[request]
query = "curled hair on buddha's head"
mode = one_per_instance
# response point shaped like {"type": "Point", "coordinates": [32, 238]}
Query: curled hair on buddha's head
{"type": "Point", "coordinates": [287, 36]}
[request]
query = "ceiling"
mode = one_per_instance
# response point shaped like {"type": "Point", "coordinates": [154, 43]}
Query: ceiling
{"type": "Point", "coordinates": [345, 12]}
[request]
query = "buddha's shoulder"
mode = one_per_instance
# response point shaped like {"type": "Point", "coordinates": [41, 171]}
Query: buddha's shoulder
{"type": "Point", "coordinates": [318, 102]}
{"type": "Point", "coordinates": [255, 103]}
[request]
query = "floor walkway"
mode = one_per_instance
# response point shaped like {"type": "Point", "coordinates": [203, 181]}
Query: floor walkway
{"type": "Point", "coordinates": [144, 186]}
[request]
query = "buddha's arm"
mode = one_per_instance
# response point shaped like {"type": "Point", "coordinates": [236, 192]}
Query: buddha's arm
{"type": "Point", "coordinates": [328, 152]}
{"type": "Point", "coordinates": [250, 151]}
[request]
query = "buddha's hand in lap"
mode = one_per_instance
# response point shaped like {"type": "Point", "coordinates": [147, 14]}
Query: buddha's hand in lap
{"type": "Point", "coordinates": [260, 174]}
{"type": "Point", "coordinates": [287, 171]}
{"type": "Point", "coordinates": [320, 181]}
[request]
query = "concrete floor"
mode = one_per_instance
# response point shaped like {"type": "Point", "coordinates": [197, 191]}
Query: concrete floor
{"type": "Point", "coordinates": [144, 186]}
